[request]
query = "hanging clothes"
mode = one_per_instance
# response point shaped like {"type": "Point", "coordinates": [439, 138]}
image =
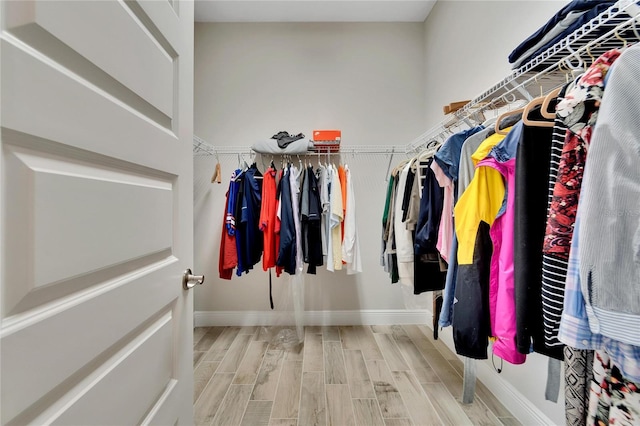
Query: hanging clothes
{"type": "Point", "coordinates": [578, 369]}
{"type": "Point", "coordinates": [228, 257]}
{"type": "Point", "coordinates": [575, 328]}
{"type": "Point", "coordinates": [613, 398]}
{"type": "Point", "coordinates": [445, 230]}
{"type": "Point", "coordinates": [532, 174]}
{"type": "Point", "coordinates": [350, 243]}
{"type": "Point", "coordinates": [268, 219]}
{"type": "Point", "coordinates": [250, 217]}
{"type": "Point", "coordinates": [413, 208]}
{"type": "Point", "coordinates": [553, 267]}
{"type": "Point", "coordinates": [343, 191]}
{"type": "Point", "coordinates": [610, 208]}
{"type": "Point", "coordinates": [323, 185]}
{"type": "Point", "coordinates": [475, 212]}
{"type": "Point", "coordinates": [389, 258]}
{"type": "Point", "coordinates": [503, 159]}
{"type": "Point", "coordinates": [294, 177]}
{"type": "Point", "coordinates": [331, 181]}
{"type": "Point", "coordinates": [278, 224]}
{"type": "Point", "coordinates": [288, 248]}
{"type": "Point", "coordinates": [428, 275]}
{"type": "Point", "coordinates": [466, 169]}
{"type": "Point", "coordinates": [448, 161]}
{"type": "Point", "coordinates": [576, 323]}
{"type": "Point", "coordinates": [311, 218]}
{"type": "Point", "coordinates": [304, 213]}
{"type": "Point", "coordinates": [403, 237]}
{"type": "Point", "coordinates": [335, 221]}
{"type": "Point", "coordinates": [239, 228]}
{"type": "Point", "coordinates": [384, 262]}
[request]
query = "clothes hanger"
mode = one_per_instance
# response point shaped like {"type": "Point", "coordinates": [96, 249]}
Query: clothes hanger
{"type": "Point", "coordinates": [502, 117]}
{"type": "Point", "coordinates": [544, 109]}
{"type": "Point", "coordinates": [590, 55]}
{"type": "Point", "coordinates": [622, 39]}
{"type": "Point", "coordinates": [635, 30]}
{"type": "Point", "coordinates": [217, 174]}
{"type": "Point", "coordinates": [506, 114]}
{"type": "Point", "coordinates": [530, 106]}
{"type": "Point", "coordinates": [393, 149]}
{"type": "Point", "coordinates": [564, 70]}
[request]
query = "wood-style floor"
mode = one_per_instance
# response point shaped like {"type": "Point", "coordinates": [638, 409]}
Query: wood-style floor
{"type": "Point", "coordinates": [353, 375]}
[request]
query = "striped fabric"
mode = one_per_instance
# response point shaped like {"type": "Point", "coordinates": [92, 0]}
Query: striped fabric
{"type": "Point", "coordinates": [554, 268]}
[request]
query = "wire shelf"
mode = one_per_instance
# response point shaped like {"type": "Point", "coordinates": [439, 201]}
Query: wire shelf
{"type": "Point", "coordinates": [550, 69]}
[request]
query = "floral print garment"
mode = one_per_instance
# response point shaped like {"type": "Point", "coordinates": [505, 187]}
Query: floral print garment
{"type": "Point", "coordinates": [613, 400]}
{"type": "Point", "coordinates": [579, 111]}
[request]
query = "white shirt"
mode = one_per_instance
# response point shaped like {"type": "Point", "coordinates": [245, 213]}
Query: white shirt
{"type": "Point", "coordinates": [404, 238]}
{"type": "Point", "coordinates": [294, 173]}
{"type": "Point", "coordinates": [350, 243]}
{"type": "Point", "coordinates": [327, 215]}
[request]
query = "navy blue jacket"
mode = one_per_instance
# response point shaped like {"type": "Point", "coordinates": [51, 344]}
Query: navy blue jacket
{"type": "Point", "coordinates": [250, 217]}
{"type": "Point", "coordinates": [287, 251]}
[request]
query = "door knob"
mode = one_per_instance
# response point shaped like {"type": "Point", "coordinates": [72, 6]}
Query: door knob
{"type": "Point", "coordinates": [189, 281]}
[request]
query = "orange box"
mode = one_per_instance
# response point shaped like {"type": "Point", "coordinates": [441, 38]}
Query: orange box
{"type": "Point", "coordinates": [327, 135]}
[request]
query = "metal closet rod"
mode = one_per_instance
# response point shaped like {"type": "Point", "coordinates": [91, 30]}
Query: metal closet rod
{"type": "Point", "coordinates": [551, 77]}
{"type": "Point", "coordinates": [202, 148]}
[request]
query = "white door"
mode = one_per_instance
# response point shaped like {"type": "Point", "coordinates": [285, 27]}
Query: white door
{"type": "Point", "coordinates": [96, 213]}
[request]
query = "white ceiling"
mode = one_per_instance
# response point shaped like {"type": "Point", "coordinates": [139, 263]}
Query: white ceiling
{"type": "Point", "coordinates": [312, 10]}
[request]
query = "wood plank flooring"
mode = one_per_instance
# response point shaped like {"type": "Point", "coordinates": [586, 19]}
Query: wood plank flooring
{"type": "Point", "coordinates": [341, 376]}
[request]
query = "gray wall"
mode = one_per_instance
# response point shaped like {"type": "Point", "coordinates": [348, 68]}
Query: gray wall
{"type": "Point", "coordinates": [467, 44]}
{"type": "Point", "coordinates": [253, 80]}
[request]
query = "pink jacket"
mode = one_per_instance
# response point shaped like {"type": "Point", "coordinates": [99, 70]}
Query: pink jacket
{"type": "Point", "coordinates": [502, 305]}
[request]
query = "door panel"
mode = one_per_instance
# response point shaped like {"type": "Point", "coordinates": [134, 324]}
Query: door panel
{"type": "Point", "coordinates": [35, 88]}
{"type": "Point", "coordinates": [96, 212]}
{"type": "Point", "coordinates": [133, 208]}
{"type": "Point", "coordinates": [108, 35]}
{"type": "Point", "coordinates": [47, 355]}
{"type": "Point", "coordinates": [147, 357]}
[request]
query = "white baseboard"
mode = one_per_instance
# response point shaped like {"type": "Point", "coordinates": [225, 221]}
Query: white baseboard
{"type": "Point", "coordinates": [362, 317]}
{"type": "Point", "coordinates": [519, 405]}
{"type": "Point", "coordinates": [521, 408]}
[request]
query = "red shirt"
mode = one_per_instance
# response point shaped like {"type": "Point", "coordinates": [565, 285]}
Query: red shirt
{"type": "Point", "coordinates": [268, 219]}
{"type": "Point", "coordinates": [228, 255]}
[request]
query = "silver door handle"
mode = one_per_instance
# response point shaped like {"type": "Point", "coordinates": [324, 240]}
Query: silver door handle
{"type": "Point", "coordinates": [189, 281]}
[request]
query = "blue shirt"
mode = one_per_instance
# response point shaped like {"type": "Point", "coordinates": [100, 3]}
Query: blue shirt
{"type": "Point", "coordinates": [288, 245]}
{"type": "Point", "coordinates": [230, 219]}
{"type": "Point", "coordinates": [250, 217]}
{"type": "Point", "coordinates": [574, 325]}
{"type": "Point", "coordinates": [448, 156]}
{"type": "Point", "coordinates": [507, 148]}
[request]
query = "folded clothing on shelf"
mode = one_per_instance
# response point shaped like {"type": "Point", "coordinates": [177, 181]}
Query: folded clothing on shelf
{"type": "Point", "coordinates": [567, 20]}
